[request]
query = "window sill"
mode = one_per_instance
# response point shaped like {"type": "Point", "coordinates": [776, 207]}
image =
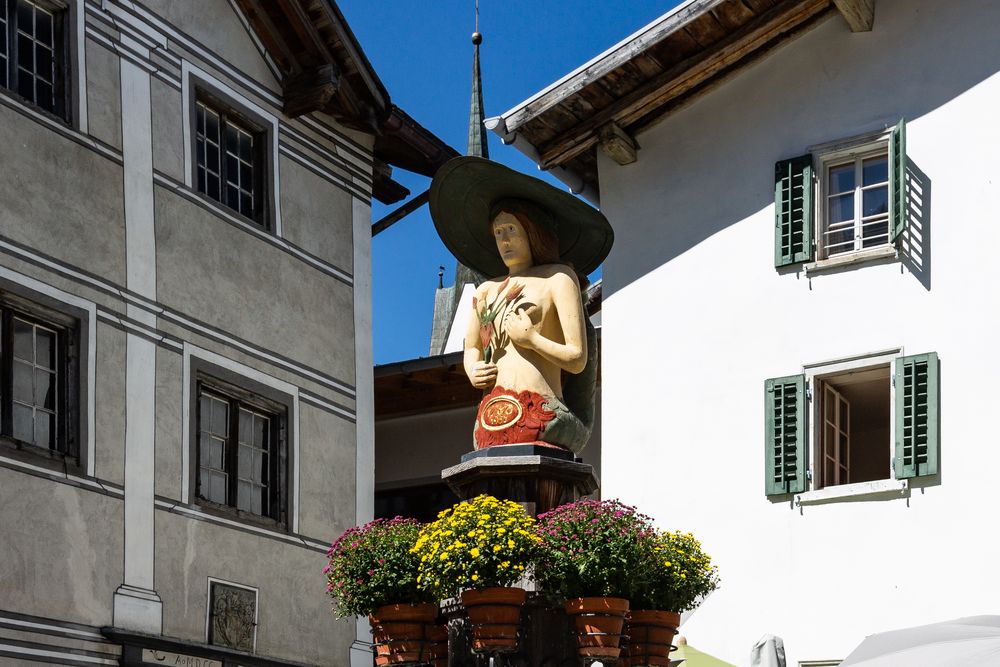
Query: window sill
{"type": "Point", "coordinates": [861, 491]}
{"type": "Point", "coordinates": [860, 257]}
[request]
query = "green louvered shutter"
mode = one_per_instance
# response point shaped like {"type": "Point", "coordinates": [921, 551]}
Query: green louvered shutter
{"type": "Point", "coordinates": [917, 433]}
{"type": "Point", "coordinates": [898, 204]}
{"type": "Point", "coordinates": [793, 211]}
{"type": "Point", "coordinates": [787, 426]}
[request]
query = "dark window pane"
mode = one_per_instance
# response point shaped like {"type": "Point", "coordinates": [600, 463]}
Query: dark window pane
{"type": "Point", "coordinates": [217, 487]}
{"type": "Point", "coordinates": [45, 348]}
{"type": "Point", "coordinates": [875, 201]}
{"type": "Point", "coordinates": [217, 454]}
{"type": "Point", "coordinates": [212, 158]}
{"type": "Point", "coordinates": [232, 196]}
{"type": "Point", "coordinates": [200, 120]}
{"type": "Point", "coordinates": [204, 446]}
{"type": "Point", "coordinates": [23, 390]}
{"type": "Point", "coordinates": [842, 178]}
{"type": "Point", "coordinates": [246, 176]}
{"type": "Point", "coordinates": [212, 126]}
{"type": "Point", "coordinates": [875, 170]}
{"type": "Point", "coordinates": [232, 169]}
{"type": "Point", "coordinates": [43, 62]}
{"type": "Point", "coordinates": [3, 69]}
{"type": "Point", "coordinates": [246, 205]}
{"type": "Point", "coordinates": [25, 17]}
{"type": "Point", "coordinates": [246, 147]}
{"type": "Point", "coordinates": [43, 95]}
{"type": "Point", "coordinates": [232, 140]}
{"type": "Point", "coordinates": [246, 424]}
{"type": "Point", "coordinates": [201, 179]}
{"type": "Point", "coordinates": [259, 467]}
{"type": "Point", "coordinates": [200, 150]}
{"type": "Point", "coordinates": [45, 389]}
{"type": "Point", "coordinates": [25, 84]}
{"type": "Point", "coordinates": [23, 420]}
{"type": "Point", "coordinates": [255, 499]}
{"type": "Point", "coordinates": [213, 186]}
{"type": "Point", "coordinates": [25, 51]}
{"type": "Point", "coordinates": [260, 432]}
{"type": "Point", "coordinates": [43, 27]}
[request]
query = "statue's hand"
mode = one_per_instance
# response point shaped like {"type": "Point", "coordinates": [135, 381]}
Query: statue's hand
{"type": "Point", "coordinates": [483, 375]}
{"type": "Point", "coordinates": [520, 328]}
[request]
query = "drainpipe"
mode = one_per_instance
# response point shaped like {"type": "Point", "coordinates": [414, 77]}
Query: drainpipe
{"type": "Point", "coordinates": [573, 181]}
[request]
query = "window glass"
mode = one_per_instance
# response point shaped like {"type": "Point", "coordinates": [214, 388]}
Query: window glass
{"type": "Point", "coordinates": [857, 205]}
{"type": "Point", "coordinates": [34, 384]}
{"type": "Point", "coordinates": [35, 65]}
{"type": "Point", "coordinates": [227, 162]}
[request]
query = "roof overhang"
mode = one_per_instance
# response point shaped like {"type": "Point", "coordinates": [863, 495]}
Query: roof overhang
{"type": "Point", "coordinates": [606, 103]}
{"type": "Point", "coordinates": [323, 68]}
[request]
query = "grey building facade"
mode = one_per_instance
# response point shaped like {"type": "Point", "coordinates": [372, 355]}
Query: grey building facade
{"type": "Point", "coordinates": [185, 351]}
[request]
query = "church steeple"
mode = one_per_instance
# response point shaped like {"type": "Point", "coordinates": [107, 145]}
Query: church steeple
{"type": "Point", "coordinates": [477, 131]}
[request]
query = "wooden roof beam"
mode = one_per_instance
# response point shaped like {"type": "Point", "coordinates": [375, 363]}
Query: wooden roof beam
{"type": "Point", "coordinates": [306, 31]}
{"type": "Point", "coordinates": [311, 90]}
{"type": "Point", "coordinates": [859, 14]}
{"type": "Point", "coordinates": [617, 144]}
{"type": "Point", "coordinates": [783, 18]}
{"type": "Point", "coordinates": [269, 35]}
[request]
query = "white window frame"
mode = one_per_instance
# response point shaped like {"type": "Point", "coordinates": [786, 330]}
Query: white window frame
{"type": "Point", "coordinates": [818, 371]}
{"type": "Point", "coordinates": [870, 144]}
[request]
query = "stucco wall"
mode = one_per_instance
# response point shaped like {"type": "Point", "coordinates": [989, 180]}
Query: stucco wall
{"type": "Point", "coordinates": [62, 557]}
{"type": "Point", "coordinates": [683, 382]}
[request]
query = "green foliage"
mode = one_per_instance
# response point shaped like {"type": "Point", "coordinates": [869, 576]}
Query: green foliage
{"type": "Point", "coordinates": [592, 548]}
{"type": "Point", "coordinates": [372, 566]}
{"type": "Point", "coordinates": [676, 574]}
{"type": "Point", "coordinates": [476, 544]}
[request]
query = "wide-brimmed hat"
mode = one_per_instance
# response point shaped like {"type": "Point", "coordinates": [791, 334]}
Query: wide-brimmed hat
{"type": "Point", "coordinates": [464, 192]}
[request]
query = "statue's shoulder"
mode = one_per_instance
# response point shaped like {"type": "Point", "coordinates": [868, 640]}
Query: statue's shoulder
{"type": "Point", "coordinates": [557, 272]}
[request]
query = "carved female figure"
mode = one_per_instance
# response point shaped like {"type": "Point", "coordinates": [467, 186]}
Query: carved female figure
{"type": "Point", "coordinates": [529, 345]}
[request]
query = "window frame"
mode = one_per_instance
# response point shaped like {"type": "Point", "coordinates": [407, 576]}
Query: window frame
{"type": "Point", "coordinates": [815, 376]}
{"type": "Point", "coordinates": [63, 24]}
{"type": "Point", "coordinates": [836, 153]}
{"type": "Point", "coordinates": [70, 451]}
{"type": "Point", "coordinates": [200, 91]}
{"type": "Point", "coordinates": [221, 381]}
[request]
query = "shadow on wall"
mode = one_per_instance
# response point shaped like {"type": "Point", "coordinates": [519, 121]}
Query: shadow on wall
{"type": "Point", "coordinates": [710, 166]}
{"type": "Point", "coordinates": [916, 241]}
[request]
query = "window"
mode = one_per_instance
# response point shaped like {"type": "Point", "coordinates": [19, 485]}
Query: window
{"type": "Point", "coordinates": [232, 615]}
{"type": "Point", "coordinates": [32, 52]}
{"type": "Point", "coordinates": [873, 418]}
{"type": "Point", "coordinates": [843, 200]}
{"type": "Point", "coordinates": [241, 450]}
{"type": "Point", "coordinates": [229, 165]}
{"type": "Point", "coordinates": [38, 365]}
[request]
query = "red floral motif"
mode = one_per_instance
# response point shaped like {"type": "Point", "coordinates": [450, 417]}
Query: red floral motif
{"type": "Point", "coordinates": [527, 429]}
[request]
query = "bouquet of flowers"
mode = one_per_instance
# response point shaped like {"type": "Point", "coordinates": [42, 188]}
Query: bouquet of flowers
{"type": "Point", "coordinates": [492, 336]}
{"type": "Point", "coordinates": [480, 543]}
{"type": "Point", "coordinates": [373, 566]}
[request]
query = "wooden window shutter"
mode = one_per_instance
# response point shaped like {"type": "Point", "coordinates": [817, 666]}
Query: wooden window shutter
{"type": "Point", "coordinates": [793, 211]}
{"type": "Point", "coordinates": [898, 204]}
{"type": "Point", "coordinates": [785, 448]}
{"type": "Point", "coordinates": [917, 432]}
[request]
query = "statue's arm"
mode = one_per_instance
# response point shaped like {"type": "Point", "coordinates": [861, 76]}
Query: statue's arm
{"type": "Point", "coordinates": [481, 374]}
{"type": "Point", "coordinates": [570, 355]}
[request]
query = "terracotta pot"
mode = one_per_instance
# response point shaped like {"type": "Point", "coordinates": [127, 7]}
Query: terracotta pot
{"type": "Point", "coordinates": [598, 623]}
{"type": "Point", "coordinates": [650, 637]}
{"type": "Point", "coordinates": [494, 614]}
{"type": "Point", "coordinates": [437, 653]}
{"type": "Point", "coordinates": [399, 633]}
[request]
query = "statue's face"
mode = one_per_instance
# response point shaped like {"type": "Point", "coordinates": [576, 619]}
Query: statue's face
{"type": "Point", "coordinates": [512, 240]}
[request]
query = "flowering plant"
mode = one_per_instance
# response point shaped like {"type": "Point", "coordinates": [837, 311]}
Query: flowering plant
{"type": "Point", "coordinates": [479, 543]}
{"type": "Point", "coordinates": [592, 548]}
{"type": "Point", "coordinates": [490, 338]}
{"type": "Point", "coordinates": [677, 574]}
{"type": "Point", "coordinates": [373, 566]}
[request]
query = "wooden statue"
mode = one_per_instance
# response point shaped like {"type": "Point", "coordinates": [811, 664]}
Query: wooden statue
{"type": "Point", "coordinates": [529, 344]}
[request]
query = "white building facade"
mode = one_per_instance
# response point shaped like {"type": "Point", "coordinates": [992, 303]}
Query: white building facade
{"type": "Point", "coordinates": [798, 320]}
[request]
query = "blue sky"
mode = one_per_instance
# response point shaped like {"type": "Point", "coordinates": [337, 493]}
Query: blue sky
{"type": "Point", "coordinates": [423, 52]}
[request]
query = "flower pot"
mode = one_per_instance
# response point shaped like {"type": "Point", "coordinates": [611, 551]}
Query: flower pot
{"type": "Point", "coordinates": [399, 633]}
{"type": "Point", "coordinates": [650, 637]}
{"type": "Point", "coordinates": [494, 614]}
{"type": "Point", "coordinates": [437, 653]}
{"type": "Point", "coordinates": [598, 625]}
